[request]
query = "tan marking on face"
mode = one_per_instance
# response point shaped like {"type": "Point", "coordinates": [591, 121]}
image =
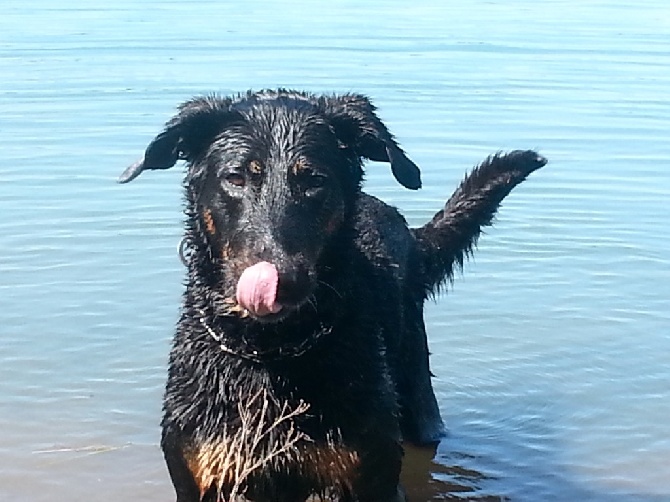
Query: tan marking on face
{"type": "Point", "coordinates": [298, 167]}
{"type": "Point", "coordinates": [255, 167]}
{"type": "Point", "coordinates": [209, 222]}
{"type": "Point", "coordinates": [333, 224]}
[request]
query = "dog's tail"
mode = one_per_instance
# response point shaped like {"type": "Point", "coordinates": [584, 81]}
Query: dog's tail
{"type": "Point", "coordinates": [450, 237]}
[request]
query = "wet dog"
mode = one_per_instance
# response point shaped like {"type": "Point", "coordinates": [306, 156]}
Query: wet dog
{"type": "Point", "coordinates": [300, 361]}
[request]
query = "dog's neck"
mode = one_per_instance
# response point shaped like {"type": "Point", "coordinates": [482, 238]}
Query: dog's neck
{"type": "Point", "coordinates": [244, 349]}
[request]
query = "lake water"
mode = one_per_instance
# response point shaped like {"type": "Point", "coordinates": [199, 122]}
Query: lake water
{"type": "Point", "coordinates": [551, 351]}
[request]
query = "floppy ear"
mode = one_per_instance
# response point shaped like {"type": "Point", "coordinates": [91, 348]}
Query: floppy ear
{"type": "Point", "coordinates": [358, 127]}
{"type": "Point", "coordinates": [185, 136]}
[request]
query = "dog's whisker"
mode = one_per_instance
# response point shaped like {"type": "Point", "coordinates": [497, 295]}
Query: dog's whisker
{"type": "Point", "coordinates": [312, 302]}
{"type": "Point", "coordinates": [331, 287]}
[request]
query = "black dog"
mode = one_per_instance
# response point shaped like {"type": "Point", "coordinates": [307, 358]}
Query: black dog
{"type": "Point", "coordinates": [300, 360]}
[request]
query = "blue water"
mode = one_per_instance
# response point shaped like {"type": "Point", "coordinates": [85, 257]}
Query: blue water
{"type": "Point", "coordinates": [551, 351]}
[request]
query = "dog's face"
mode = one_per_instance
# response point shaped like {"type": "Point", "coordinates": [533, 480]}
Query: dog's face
{"type": "Point", "coordinates": [271, 178]}
{"type": "Point", "coordinates": [275, 188]}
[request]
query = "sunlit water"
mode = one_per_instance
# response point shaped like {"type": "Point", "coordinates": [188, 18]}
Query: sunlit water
{"type": "Point", "coordinates": [551, 352]}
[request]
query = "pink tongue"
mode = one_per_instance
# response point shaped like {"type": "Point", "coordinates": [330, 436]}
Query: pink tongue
{"type": "Point", "coordinates": [257, 289]}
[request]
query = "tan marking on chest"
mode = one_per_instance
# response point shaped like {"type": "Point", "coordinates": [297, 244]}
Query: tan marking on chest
{"type": "Point", "coordinates": [326, 467]}
{"type": "Point", "coordinates": [263, 442]}
{"type": "Point", "coordinates": [333, 467]}
{"type": "Point", "coordinates": [210, 466]}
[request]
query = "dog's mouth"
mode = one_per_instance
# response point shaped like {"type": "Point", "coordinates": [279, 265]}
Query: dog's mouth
{"type": "Point", "coordinates": [261, 293]}
{"type": "Point", "coordinates": [257, 289]}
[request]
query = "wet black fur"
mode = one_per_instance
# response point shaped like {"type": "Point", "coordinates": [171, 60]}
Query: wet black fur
{"type": "Point", "coordinates": [279, 173]}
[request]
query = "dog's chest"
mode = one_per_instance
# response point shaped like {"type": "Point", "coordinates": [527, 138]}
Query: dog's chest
{"type": "Point", "coordinates": [262, 440]}
{"type": "Point", "coordinates": [231, 468]}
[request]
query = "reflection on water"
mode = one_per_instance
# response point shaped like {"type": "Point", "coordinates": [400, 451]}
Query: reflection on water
{"type": "Point", "coordinates": [426, 478]}
{"type": "Point", "coordinates": [550, 353]}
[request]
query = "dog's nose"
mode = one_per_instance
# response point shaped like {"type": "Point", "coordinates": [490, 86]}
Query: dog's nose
{"type": "Point", "coordinates": [294, 287]}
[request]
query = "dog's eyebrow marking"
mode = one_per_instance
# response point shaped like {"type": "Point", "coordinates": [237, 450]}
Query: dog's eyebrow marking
{"type": "Point", "coordinates": [299, 166]}
{"type": "Point", "coordinates": [255, 167]}
{"type": "Point", "coordinates": [209, 221]}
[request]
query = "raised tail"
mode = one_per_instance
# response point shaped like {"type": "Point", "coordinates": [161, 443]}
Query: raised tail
{"type": "Point", "coordinates": [450, 237]}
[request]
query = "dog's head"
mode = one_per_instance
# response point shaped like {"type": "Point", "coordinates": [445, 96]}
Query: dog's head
{"type": "Point", "coordinates": [271, 178]}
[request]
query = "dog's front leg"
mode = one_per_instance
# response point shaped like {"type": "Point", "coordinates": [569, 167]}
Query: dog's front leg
{"type": "Point", "coordinates": [379, 472]}
{"type": "Point", "coordinates": [183, 481]}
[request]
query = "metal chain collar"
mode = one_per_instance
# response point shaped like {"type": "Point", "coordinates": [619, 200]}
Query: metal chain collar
{"type": "Point", "coordinates": [261, 356]}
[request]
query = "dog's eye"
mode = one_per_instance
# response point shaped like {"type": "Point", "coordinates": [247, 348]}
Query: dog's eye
{"type": "Point", "coordinates": [235, 179]}
{"type": "Point", "coordinates": [314, 184]}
